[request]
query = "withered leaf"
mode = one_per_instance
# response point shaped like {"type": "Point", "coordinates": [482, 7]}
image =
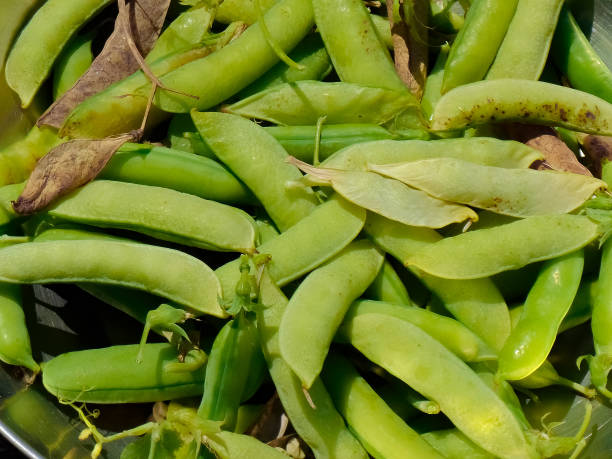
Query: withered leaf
{"type": "Point", "coordinates": [67, 167]}
{"type": "Point", "coordinates": [556, 154]}
{"type": "Point", "coordinates": [116, 61]}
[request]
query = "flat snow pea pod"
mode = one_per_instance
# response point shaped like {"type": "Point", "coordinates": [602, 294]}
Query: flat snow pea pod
{"type": "Point", "coordinates": [15, 346]}
{"type": "Point", "coordinates": [288, 21]}
{"type": "Point", "coordinates": [470, 56]}
{"type": "Point", "coordinates": [514, 192]}
{"type": "Point", "coordinates": [410, 354]}
{"type": "Point", "coordinates": [304, 246]}
{"type": "Point", "coordinates": [72, 63]}
{"type": "Point", "coordinates": [388, 287]}
{"type": "Point", "coordinates": [379, 429]}
{"type": "Point", "coordinates": [177, 170]}
{"type": "Point", "coordinates": [183, 218]}
{"type": "Point", "coordinates": [111, 375]}
{"type": "Point", "coordinates": [453, 444]}
{"type": "Point", "coordinates": [304, 102]}
{"type": "Point", "coordinates": [477, 303]}
{"type": "Point", "coordinates": [322, 428]}
{"type": "Point", "coordinates": [533, 102]}
{"type": "Point", "coordinates": [259, 161]}
{"type": "Point", "coordinates": [184, 279]}
{"type": "Point", "coordinates": [489, 251]}
{"type": "Point", "coordinates": [480, 150]}
{"type": "Point", "coordinates": [389, 198]}
{"type": "Point", "coordinates": [309, 53]}
{"type": "Point", "coordinates": [28, 63]}
{"type": "Point", "coordinates": [241, 10]}
{"type": "Point", "coordinates": [230, 445]}
{"type": "Point", "coordinates": [548, 301]}
{"type": "Point", "coordinates": [525, 48]}
{"type": "Point", "coordinates": [319, 304]}
{"type": "Point", "coordinates": [363, 59]}
{"type": "Point", "coordinates": [455, 336]}
{"type": "Point", "coordinates": [575, 57]}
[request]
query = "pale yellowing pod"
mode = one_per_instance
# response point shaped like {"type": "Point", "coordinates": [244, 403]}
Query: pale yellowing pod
{"type": "Point", "coordinates": [514, 192]}
{"type": "Point", "coordinates": [159, 212]}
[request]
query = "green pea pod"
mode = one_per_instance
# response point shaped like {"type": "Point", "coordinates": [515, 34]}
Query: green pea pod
{"type": "Point", "coordinates": [383, 29]}
{"type": "Point", "coordinates": [241, 10]}
{"type": "Point", "coordinates": [546, 375]}
{"type": "Point", "coordinates": [475, 303]}
{"type": "Point", "coordinates": [453, 444]}
{"type": "Point", "coordinates": [525, 48]}
{"type": "Point", "coordinates": [319, 304]}
{"type": "Point", "coordinates": [363, 60]}
{"type": "Point", "coordinates": [318, 423]}
{"type": "Point", "coordinates": [471, 55]}
{"type": "Point", "coordinates": [110, 375]}
{"type": "Point", "coordinates": [227, 371]}
{"type": "Point", "coordinates": [304, 102]}
{"type": "Point", "coordinates": [405, 401]}
{"type": "Point", "coordinates": [72, 63]}
{"type": "Point", "coordinates": [8, 194]}
{"type": "Point", "coordinates": [524, 101]}
{"type": "Point", "coordinates": [229, 445]}
{"type": "Point", "coordinates": [188, 29]}
{"type": "Point", "coordinates": [309, 53]}
{"type": "Point", "coordinates": [452, 334]}
{"type": "Point", "coordinates": [433, 83]}
{"type": "Point", "coordinates": [306, 245]}
{"type": "Point", "coordinates": [479, 150]}
{"type": "Point", "coordinates": [185, 219]}
{"type": "Point", "coordinates": [15, 346]}
{"type": "Point", "coordinates": [548, 301]}
{"type": "Point", "coordinates": [410, 354]}
{"type": "Point", "coordinates": [184, 279]}
{"type": "Point", "coordinates": [575, 57]}
{"type": "Point", "coordinates": [288, 21]}
{"type": "Point", "coordinates": [28, 63]}
{"type": "Point", "coordinates": [388, 287]}
{"type": "Point", "coordinates": [380, 430]}
{"type": "Point", "coordinates": [489, 251]}
{"type": "Point", "coordinates": [515, 192]}
{"type": "Point", "coordinates": [177, 170]}
{"type": "Point", "coordinates": [259, 161]}
{"type": "Point", "coordinates": [183, 135]}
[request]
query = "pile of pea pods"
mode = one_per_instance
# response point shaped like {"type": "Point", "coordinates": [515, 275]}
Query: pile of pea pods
{"type": "Point", "coordinates": [314, 223]}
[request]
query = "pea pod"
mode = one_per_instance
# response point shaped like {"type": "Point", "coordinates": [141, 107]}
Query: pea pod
{"type": "Point", "coordinates": [241, 10]}
{"type": "Point", "coordinates": [533, 102]}
{"type": "Point", "coordinates": [288, 21]}
{"type": "Point", "coordinates": [72, 63]}
{"type": "Point", "coordinates": [379, 429]}
{"type": "Point", "coordinates": [428, 367]}
{"type": "Point", "coordinates": [229, 445]}
{"type": "Point", "coordinates": [304, 102]}
{"type": "Point", "coordinates": [110, 375]}
{"type": "Point", "coordinates": [454, 445]}
{"type": "Point", "coordinates": [185, 219]}
{"type": "Point", "coordinates": [28, 63]}
{"type": "Point", "coordinates": [259, 161]}
{"type": "Point", "coordinates": [321, 428]}
{"type": "Point", "coordinates": [485, 252]}
{"type": "Point", "coordinates": [433, 84]}
{"type": "Point", "coordinates": [184, 279]}
{"type": "Point", "coordinates": [15, 346]}
{"type": "Point", "coordinates": [515, 192]}
{"type": "Point", "coordinates": [388, 287]}
{"type": "Point", "coordinates": [323, 298]}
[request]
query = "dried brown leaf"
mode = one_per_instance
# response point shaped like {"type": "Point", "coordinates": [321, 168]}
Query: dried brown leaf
{"type": "Point", "coordinates": [67, 167]}
{"type": "Point", "coordinates": [270, 422]}
{"type": "Point", "coordinates": [599, 149]}
{"type": "Point", "coordinates": [116, 61]}
{"type": "Point", "coordinates": [556, 154]}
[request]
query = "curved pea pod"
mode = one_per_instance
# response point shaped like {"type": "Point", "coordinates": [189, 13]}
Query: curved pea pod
{"type": "Point", "coordinates": [455, 336]}
{"type": "Point", "coordinates": [15, 346]}
{"type": "Point", "coordinates": [320, 426]}
{"type": "Point", "coordinates": [110, 375]}
{"type": "Point", "coordinates": [379, 429]}
{"type": "Point", "coordinates": [304, 102]}
{"type": "Point", "coordinates": [183, 279]}
{"type": "Point", "coordinates": [28, 63]}
{"type": "Point", "coordinates": [229, 445]}
{"type": "Point", "coordinates": [477, 303]}
{"type": "Point", "coordinates": [514, 192]}
{"type": "Point", "coordinates": [177, 170]}
{"type": "Point", "coordinates": [452, 444]}
{"type": "Point", "coordinates": [319, 304]}
{"type": "Point", "coordinates": [288, 21]}
{"type": "Point", "coordinates": [72, 63]}
{"type": "Point", "coordinates": [183, 218]}
{"type": "Point", "coordinates": [479, 150]}
{"type": "Point", "coordinates": [532, 102]}
{"type": "Point", "coordinates": [241, 10]}
{"type": "Point", "coordinates": [259, 161]}
{"type": "Point", "coordinates": [410, 354]}
{"type": "Point", "coordinates": [489, 251]}
{"type": "Point", "coordinates": [433, 84]}
{"type": "Point", "coordinates": [471, 55]}
{"type": "Point", "coordinates": [388, 287]}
